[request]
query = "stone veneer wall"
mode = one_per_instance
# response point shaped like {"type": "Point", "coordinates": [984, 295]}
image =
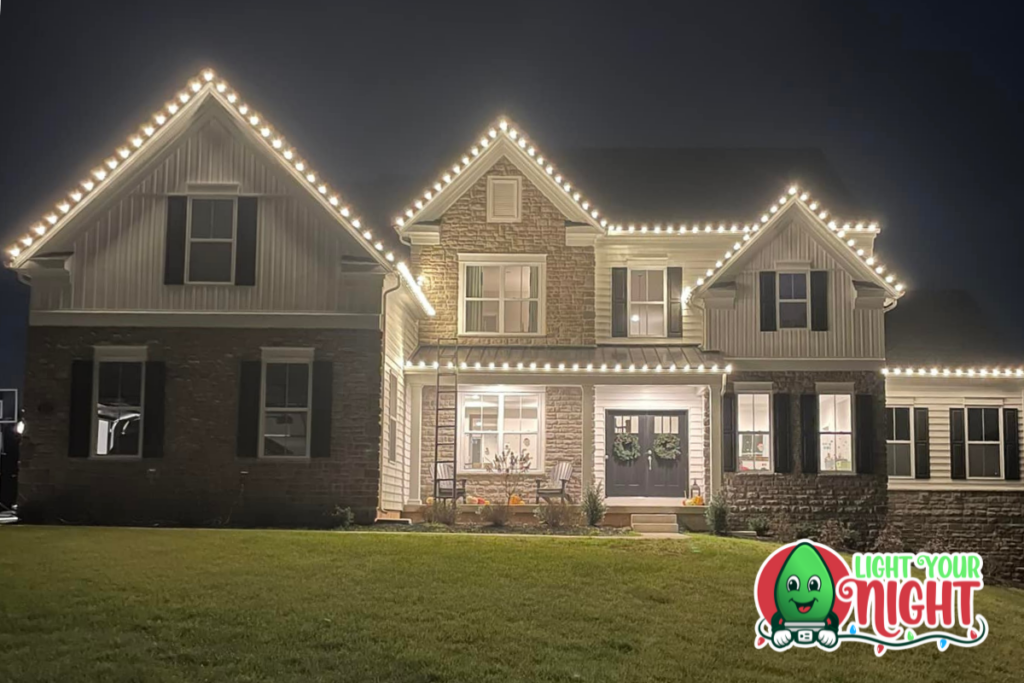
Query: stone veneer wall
{"type": "Point", "coordinates": [199, 480]}
{"type": "Point", "coordinates": [858, 500]}
{"type": "Point", "coordinates": [563, 440]}
{"type": "Point", "coordinates": [464, 229]}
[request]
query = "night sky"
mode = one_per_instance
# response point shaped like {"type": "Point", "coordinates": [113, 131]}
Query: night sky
{"type": "Point", "coordinates": [917, 106]}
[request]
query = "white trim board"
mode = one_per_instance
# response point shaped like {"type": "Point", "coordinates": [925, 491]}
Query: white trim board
{"type": "Point", "coordinates": [350, 321]}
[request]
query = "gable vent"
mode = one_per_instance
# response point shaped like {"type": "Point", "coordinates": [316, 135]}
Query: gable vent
{"type": "Point", "coordinates": [503, 199]}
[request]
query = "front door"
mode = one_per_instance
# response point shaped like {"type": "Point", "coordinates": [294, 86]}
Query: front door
{"type": "Point", "coordinates": [646, 453]}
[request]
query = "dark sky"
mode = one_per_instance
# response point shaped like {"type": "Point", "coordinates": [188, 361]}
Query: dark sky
{"type": "Point", "coordinates": [917, 104]}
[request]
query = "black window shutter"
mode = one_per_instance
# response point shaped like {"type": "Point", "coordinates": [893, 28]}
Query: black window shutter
{"type": "Point", "coordinates": [620, 307]}
{"type": "Point", "coordinates": [245, 251]}
{"type": "Point", "coordinates": [1011, 444]}
{"type": "Point", "coordinates": [922, 446]}
{"type": "Point", "coordinates": [729, 432]}
{"type": "Point", "coordinates": [957, 444]}
{"type": "Point", "coordinates": [865, 437]}
{"type": "Point", "coordinates": [323, 399]}
{"type": "Point", "coordinates": [781, 431]}
{"type": "Point", "coordinates": [174, 246]}
{"type": "Point", "coordinates": [153, 410]}
{"type": "Point", "coordinates": [675, 302]}
{"type": "Point", "coordinates": [768, 322]}
{"type": "Point", "coordinates": [247, 444]}
{"type": "Point", "coordinates": [80, 410]}
{"type": "Point", "coordinates": [809, 431]}
{"type": "Point", "coordinates": [819, 300]}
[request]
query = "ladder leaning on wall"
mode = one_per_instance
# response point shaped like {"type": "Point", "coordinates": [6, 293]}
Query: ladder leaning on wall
{"type": "Point", "coordinates": [446, 419]}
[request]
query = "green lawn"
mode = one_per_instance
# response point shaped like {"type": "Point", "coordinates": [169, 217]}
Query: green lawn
{"type": "Point", "coordinates": [95, 604]}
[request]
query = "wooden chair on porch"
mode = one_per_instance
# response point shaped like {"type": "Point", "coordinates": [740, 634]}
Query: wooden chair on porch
{"type": "Point", "coordinates": [446, 480]}
{"type": "Point", "coordinates": [556, 483]}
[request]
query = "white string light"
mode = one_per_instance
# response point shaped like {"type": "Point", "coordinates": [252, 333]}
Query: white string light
{"type": "Point", "coordinates": [548, 367]}
{"type": "Point", "coordinates": [992, 373]}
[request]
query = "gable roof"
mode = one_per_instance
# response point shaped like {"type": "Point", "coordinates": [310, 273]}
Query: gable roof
{"type": "Point", "coordinates": [165, 126]}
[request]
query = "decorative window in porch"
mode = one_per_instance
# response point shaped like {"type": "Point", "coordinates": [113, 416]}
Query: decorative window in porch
{"type": "Point", "coordinates": [753, 421]}
{"type": "Point", "coordinates": [835, 427]}
{"type": "Point", "coordinates": [286, 401]}
{"type": "Point", "coordinates": [793, 300]}
{"type": "Point", "coordinates": [502, 298]}
{"type": "Point", "coordinates": [899, 442]}
{"type": "Point", "coordinates": [984, 443]}
{"type": "Point", "coordinates": [495, 422]}
{"type": "Point", "coordinates": [647, 302]}
{"type": "Point", "coordinates": [119, 406]}
{"type": "Point", "coordinates": [211, 241]}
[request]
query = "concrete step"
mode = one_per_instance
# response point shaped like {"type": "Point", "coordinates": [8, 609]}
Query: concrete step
{"type": "Point", "coordinates": [650, 518]}
{"type": "Point", "coordinates": [651, 528]}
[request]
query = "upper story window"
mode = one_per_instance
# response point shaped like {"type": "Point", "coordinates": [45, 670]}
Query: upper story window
{"type": "Point", "coordinates": [502, 298]}
{"type": "Point", "coordinates": [647, 302]}
{"type": "Point", "coordinates": [504, 199]}
{"type": "Point", "coordinates": [753, 426]}
{"type": "Point", "coordinates": [119, 389]}
{"type": "Point", "coordinates": [835, 427]}
{"type": "Point", "coordinates": [287, 396]}
{"type": "Point", "coordinates": [793, 300]}
{"type": "Point", "coordinates": [899, 442]}
{"type": "Point", "coordinates": [211, 241]}
{"type": "Point", "coordinates": [984, 442]}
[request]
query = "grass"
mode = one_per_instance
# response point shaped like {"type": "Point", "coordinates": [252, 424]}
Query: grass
{"type": "Point", "coordinates": [92, 604]}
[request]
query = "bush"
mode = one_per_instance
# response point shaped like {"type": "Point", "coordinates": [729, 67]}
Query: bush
{"type": "Point", "coordinates": [441, 512]}
{"type": "Point", "coordinates": [559, 515]}
{"type": "Point", "coordinates": [759, 525]}
{"type": "Point", "coordinates": [889, 540]}
{"type": "Point", "coordinates": [717, 516]}
{"type": "Point", "coordinates": [594, 507]}
{"type": "Point", "coordinates": [342, 518]}
{"type": "Point", "coordinates": [837, 535]}
{"type": "Point", "coordinates": [496, 514]}
{"type": "Point", "coordinates": [787, 531]}
{"type": "Point", "coordinates": [936, 544]}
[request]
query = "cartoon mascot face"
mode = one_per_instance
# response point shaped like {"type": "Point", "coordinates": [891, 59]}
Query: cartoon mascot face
{"type": "Point", "coordinates": [804, 597]}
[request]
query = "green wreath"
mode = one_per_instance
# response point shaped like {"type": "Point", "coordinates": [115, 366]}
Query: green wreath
{"type": "Point", "coordinates": [666, 447]}
{"type": "Point", "coordinates": [627, 447]}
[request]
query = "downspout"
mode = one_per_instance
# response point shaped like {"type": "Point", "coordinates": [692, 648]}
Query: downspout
{"type": "Point", "coordinates": [383, 382]}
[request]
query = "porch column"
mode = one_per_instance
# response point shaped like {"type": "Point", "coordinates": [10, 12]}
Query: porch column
{"type": "Point", "coordinates": [588, 436]}
{"type": "Point", "coordinates": [416, 406]}
{"type": "Point", "coordinates": [715, 403]}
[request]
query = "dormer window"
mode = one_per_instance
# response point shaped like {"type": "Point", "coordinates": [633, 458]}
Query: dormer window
{"type": "Point", "coordinates": [211, 241]}
{"type": "Point", "coordinates": [504, 200]}
{"type": "Point", "coordinates": [793, 301]}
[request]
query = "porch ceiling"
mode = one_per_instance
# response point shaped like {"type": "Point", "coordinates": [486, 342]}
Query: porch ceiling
{"type": "Point", "coordinates": [651, 356]}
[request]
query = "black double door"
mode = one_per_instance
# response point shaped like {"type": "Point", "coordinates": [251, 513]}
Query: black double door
{"type": "Point", "coordinates": [637, 469]}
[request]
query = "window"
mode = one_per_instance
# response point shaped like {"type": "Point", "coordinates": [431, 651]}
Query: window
{"type": "Point", "coordinates": [495, 421]}
{"type": "Point", "coordinates": [753, 427]}
{"type": "Point", "coordinates": [793, 300]}
{"type": "Point", "coordinates": [211, 241]}
{"type": "Point", "coordinates": [502, 298]}
{"type": "Point", "coordinates": [286, 399]}
{"type": "Point", "coordinates": [392, 417]}
{"type": "Point", "coordinates": [503, 203]}
{"type": "Point", "coordinates": [835, 427]}
{"type": "Point", "coordinates": [899, 443]}
{"type": "Point", "coordinates": [119, 382]}
{"type": "Point", "coordinates": [984, 442]}
{"type": "Point", "coordinates": [647, 303]}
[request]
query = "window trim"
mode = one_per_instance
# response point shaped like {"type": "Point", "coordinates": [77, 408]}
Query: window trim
{"type": "Point", "coordinates": [290, 356]}
{"type": "Point", "coordinates": [210, 240]}
{"type": "Point", "coordinates": [117, 354]}
{"type": "Point", "coordinates": [506, 179]}
{"type": "Point", "coordinates": [537, 468]}
{"type": "Point", "coordinates": [793, 270]}
{"type": "Point", "coordinates": [852, 433]}
{"type": "Point", "coordinates": [771, 423]}
{"type": "Point", "coordinates": [503, 260]}
{"type": "Point", "coordinates": [967, 441]}
{"type": "Point", "coordinates": [664, 301]}
{"type": "Point", "coordinates": [911, 443]}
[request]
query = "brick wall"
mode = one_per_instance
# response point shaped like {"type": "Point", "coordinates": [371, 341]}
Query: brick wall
{"type": "Point", "coordinates": [464, 229]}
{"type": "Point", "coordinates": [563, 440]}
{"type": "Point", "coordinates": [858, 500]}
{"type": "Point", "coordinates": [200, 480]}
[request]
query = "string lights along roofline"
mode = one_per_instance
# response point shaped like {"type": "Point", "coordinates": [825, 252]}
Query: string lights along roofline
{"type": "Point", "coordinates": [574, 367]}
{"type": "Point", "coordinates": [207, 83]}
{"type": "Point", "coordinates": [990, 373]}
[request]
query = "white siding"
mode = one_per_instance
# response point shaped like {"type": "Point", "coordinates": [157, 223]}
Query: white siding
{"type": "Point", "coordinates": [118, 260]}
{"type": "Point", "coordinates": [625, 397]}
{"type": "Point", "coordinates": [401, 334]}
{"type": "Point", "coordinates": [939, 396]}
{"type": "Point", "coordinates": [852, 334]}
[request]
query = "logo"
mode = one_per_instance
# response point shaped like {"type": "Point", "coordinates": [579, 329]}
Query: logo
{"type": "Point", "coordinates": [808, 596]}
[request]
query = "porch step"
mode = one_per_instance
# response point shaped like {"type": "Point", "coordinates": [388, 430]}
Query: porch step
{"type": "Point", "coordinates": [649, 523]}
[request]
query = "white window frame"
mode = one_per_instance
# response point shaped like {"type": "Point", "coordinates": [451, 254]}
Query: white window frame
{"type": "Point", "coordinates": [852, 433]}
{"type": "Point", "coordinates": [211, 240]}
{"type": "Point", "coordinates": [290, 356]}
{"type": "Point", "coordinates": [504, 260]}
{"type": "Point", "coordinates": [537, 466]}
{"type": "Point", "coordinates": [806, 273]}
{"type": "Point", "coordinates": [117, 354]}
{"type": "Point", "coordinates": [630, 302]}
{"type": "Point", "coordinates": [502, 180]}
{"type": "Point", "coordinates": [913, 464]}
{"type": "Point", "coordinates": [968, 442]}
{"type": "Point", "coordinates": [392, 416]}
{"type": "Point", "coordinates": [740, 432]}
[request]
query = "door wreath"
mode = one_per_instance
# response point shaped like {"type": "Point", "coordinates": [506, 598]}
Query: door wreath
{"type": "Point", "coordinates": [666, 447]}
{"type": "Point", "coordinates": [626, 448]}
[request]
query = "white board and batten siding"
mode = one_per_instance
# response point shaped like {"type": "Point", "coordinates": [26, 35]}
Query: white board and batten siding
{"type": "Point", "coordinates": [853, 334]}
{"type": "Point", "coordinates": [633, 397]}
{"type": "Point", "coordinates": [939, 396]}
{"type": "Point", "coordinates": [118, 260]}
{"type": "Point", "coordinates": [401, 337]}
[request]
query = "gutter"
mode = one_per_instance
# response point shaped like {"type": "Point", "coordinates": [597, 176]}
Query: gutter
{"type": "Point", "coordinates": [383, 381]}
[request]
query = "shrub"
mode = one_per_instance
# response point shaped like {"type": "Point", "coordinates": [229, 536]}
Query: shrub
{"type": "Point", "coordinates": [559, 515]}
{"type": "Point", "coordinates": [342, 518]}
{"type": "Point", "coordinates": [787, 531]}
{"type": "Point", "coordinates": [936, 544]}
{"type": "Point", "coordinates": [888, 540]}
{"type": "Point", "coordinates": [837, 535]}
{"type": "Point", "coordinates": [717, 516]}
{"type": "Point", "coordinates": [594, 507]}
{"type": "Point", "coordinates": [441, 511]}
{"type": "Point", "coordinates": [759, 525]}
{"type": "Point", "coordinates": [496, 514]}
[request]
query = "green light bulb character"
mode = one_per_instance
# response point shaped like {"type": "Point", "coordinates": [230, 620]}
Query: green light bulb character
{"type": "Point", "coordinates": [804, 597]}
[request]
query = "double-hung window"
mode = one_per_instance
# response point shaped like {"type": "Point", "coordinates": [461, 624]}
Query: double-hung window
{"type": "Point", "coordinates": [494, 422]}
{"type": "Point", "coordinates": [211, 241]}
{"type": "Point", "coordinates": [647, 302]}
{"type": "Point", "coordinates": [287, 395]}
{"type": "Point", "coordinates": [899, 442]}
{"type": "Point", "coordinates": [793, 300]}
{"type": "Point", "coordinates": [119, 388]}
{"type": "Point", "coordinates": [835, 427]}
{"type": "Point", "coordinates": [502, 298]}
{"type": "Point", "coordinates": [984, 442]}
{"type": "Point", "coordinates": [753, 422]}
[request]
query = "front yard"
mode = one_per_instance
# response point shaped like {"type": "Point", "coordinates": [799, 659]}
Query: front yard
{"type": "Point", "coordinates": [90, 604]}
